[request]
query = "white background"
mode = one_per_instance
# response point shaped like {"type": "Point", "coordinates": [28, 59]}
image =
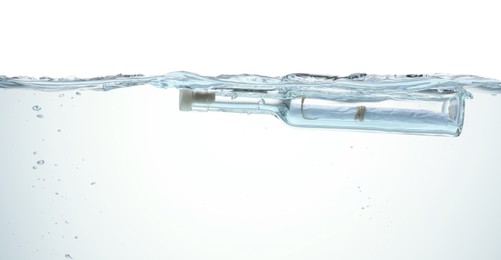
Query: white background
{"type": "Point", "coordinates": [171, 185]}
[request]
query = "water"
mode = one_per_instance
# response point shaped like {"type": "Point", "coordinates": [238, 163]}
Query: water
{"type": "Point", "coordinates": [437, 100]}
{"type": "Point", "coordinates": [289, 86]}
{"type": "Point", "coordinates": [225, 186]}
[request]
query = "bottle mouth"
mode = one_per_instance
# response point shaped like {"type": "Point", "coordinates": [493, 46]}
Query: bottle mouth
{"type": "Point", "coordinates": [188, 97]}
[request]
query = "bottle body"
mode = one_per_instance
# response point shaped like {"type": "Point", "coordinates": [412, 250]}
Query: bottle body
{"type": "Point", "coordinates": [440, 117]}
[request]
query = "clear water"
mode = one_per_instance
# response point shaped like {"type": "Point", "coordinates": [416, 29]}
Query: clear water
{"type": "Point", "coordinates": [351, 95]}
{"type": "Point", "coordinates": [289, 86]}
{"type": "Point", "coordinates": [123, 175]}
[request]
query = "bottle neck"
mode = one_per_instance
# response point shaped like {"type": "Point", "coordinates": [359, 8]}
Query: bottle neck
{"type": "Point", "coordinates": [205, 100]}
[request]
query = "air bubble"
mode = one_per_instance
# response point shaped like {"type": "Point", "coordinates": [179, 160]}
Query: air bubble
{"type": "Point", "coordinates": [260, 103]}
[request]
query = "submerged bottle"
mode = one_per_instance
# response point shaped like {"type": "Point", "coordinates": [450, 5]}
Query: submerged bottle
{"type": "Point", "coordinates": [439, 112]}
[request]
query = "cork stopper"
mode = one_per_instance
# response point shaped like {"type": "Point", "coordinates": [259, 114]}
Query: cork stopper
{"type": "Point", "coordinates": [188, 97]}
